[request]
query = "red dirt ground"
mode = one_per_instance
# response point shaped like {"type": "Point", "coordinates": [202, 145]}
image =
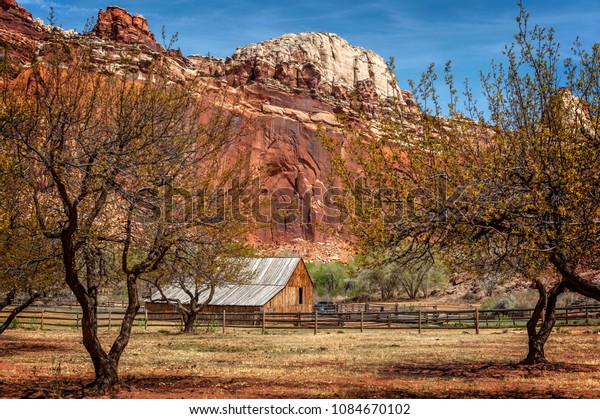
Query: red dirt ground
{"type": "Point", "coordinates": [26, 373]}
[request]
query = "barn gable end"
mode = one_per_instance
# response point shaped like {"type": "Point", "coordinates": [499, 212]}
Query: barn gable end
{"type": "Point", "coordinates": [296, 296]}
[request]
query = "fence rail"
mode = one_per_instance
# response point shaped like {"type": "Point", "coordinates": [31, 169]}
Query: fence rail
{"type": "Point", "coordinates": [110, 319]}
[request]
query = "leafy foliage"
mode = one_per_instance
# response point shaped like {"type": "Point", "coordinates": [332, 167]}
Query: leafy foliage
{"type": "Point", "coordinates": [102, 160]}
{"type": "Point", "coordinates": [329, 278]}
{"type": "Point", "coordinates": [514, 193]}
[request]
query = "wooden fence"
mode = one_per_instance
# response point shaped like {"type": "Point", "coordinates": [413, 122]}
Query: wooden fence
{"type": "Point", "coordinates": [417, 319]}
{"type": "Point", "coordinates": [384, 307]}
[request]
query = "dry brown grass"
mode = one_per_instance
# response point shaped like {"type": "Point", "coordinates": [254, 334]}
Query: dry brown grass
{"type": "Point", "coordinates": [297, 364]}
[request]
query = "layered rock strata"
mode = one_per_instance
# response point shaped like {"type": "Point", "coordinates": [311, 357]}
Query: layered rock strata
{"type": "Point", "coordinates": [285, 89]}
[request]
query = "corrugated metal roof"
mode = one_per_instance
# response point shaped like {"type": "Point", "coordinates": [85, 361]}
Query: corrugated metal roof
{"type": "Point", "coordinates": [268, 276]}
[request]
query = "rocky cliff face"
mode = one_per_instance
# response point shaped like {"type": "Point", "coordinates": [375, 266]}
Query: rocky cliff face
{"type": "Point", "coordinates": [317, 62]}
{"type": "Point", "coordinates": [19, 32]}
{"type": "Point", "coordinates": [118, 25]}
{"type": "Point", "coordinates": [320, 64]}
{"type": "Point", "coordinates": [292, 85]}
{"type": "Point", "coordinates": [285, 88]}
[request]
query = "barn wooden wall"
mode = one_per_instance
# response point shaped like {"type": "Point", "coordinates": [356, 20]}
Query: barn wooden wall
{"type": "Point", "coordinates": [286, 301]}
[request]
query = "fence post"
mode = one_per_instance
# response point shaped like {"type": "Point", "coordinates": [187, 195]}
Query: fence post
{"type": "Point", "coordinates": [420, 321]}
{"type": "Point", "coordinates": [362, 321]}
{"type": "Point", "coordinates": [77, 322]}
{"type": "Point", "coordinates": [264, 322]}
{"type": "Point", "coordinates": [587, 317]}
{"type": "Point", "coordinates": [109, 319]}
{"type": "Point", "coordinates": [145, 319]}
{"type": "Point", "coordinates": [566, 316]}
{"type": "Point", "coordinates": [42, 320]}
{"type": "Point", "coordinates": [476, 320]}
{"type": "Point", "coordinates": [316, 321]}
{"type": "Point", "coordinates": [224, 320]}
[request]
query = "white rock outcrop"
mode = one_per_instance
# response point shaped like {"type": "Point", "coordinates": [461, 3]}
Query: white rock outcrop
{"type": "Point", "coordinates": [319, 60]}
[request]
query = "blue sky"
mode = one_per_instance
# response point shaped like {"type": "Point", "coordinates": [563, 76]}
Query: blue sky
{"type": "Point", "coordinates": [416, 32]}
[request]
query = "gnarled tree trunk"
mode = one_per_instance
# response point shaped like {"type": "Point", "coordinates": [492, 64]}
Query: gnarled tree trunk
{"type": "Point", "coordinates": [33, 295]}
{"type": "Point", "coordinates": [572, 280]}
{"type": "Point", "coordinates": [547, 304]}
{"type": "Point", "coordinates": [189, 321]}
{"type": "Point", "coordinates": [190, 313]}
{"type": "Point", "coordinates": [106, 374]}
{"type": "Point", "coordinates": [545, 312]}
{"type": "Point", "coordinates": [105, 364]}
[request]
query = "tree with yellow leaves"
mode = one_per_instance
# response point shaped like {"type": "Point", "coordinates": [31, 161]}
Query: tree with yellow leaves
{"type": "Point", "coordinates": [29, 265]}
{"type": "Point", "coordinates": [517, 191]}
{"type": "Point", "coordinates": [98, 156]}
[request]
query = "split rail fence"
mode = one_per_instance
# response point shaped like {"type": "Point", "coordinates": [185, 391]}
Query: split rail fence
{"type": "Point", "coordinates": [45, 318]}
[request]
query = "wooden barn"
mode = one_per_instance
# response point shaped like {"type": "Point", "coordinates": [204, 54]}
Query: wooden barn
{"type": "Point", "coordinates": [277, 285]}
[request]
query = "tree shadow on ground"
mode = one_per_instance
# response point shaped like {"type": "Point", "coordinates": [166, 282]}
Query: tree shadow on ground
{"type": "Point", "coordinates": [9, 347]}
{"type": "Point", "coordinates": [489, 380]}
{"type": "Point", "coordinates": [488, 373]}
{"type": "Point", "coordinates": [484, 370]}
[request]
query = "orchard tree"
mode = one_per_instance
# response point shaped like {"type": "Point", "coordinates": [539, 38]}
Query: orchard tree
{"type": "Point", "coordinates": [421, 278]}
{"type": "Point", "coordinates": [389, 278]}
{"type": "Point", "coordinates": [192, 272]}
{"type": "Point", "coordinates": [215, 203]}
{"type": "Point", "coordinates": [96, 153]}
{"type": "Point", "coordinates": [28, 270]}
{"type": "Point", "coordinates": [29, 265]}
{"type": "Point", "coordinates": [517, 189]}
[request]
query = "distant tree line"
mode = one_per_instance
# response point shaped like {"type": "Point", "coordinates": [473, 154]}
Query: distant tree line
{"type": "Point", "coordinates": [365, 280]}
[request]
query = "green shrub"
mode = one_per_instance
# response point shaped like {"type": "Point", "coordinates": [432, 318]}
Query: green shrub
{"type": "Point", "coordinates": [329, 278]}
{"type": "Point", "coordinates": [509, 301]}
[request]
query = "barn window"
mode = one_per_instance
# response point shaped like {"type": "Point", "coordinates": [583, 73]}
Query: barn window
{"type": "Point", "coordinates": [300, 295]}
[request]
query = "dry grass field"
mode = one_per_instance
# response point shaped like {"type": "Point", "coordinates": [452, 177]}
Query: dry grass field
{"type": "Point", "coordinates": [298, 364]}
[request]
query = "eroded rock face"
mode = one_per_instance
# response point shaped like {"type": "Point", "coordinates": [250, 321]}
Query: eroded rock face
{"type": "Point", "coordinates": [322, 64]}
{"type": "Point", "coordinates": [118, 25]}
{"type": "Point", "coordinates": [11, 6]}
{"type": "Point", "coordinates": [315, 60]}
{"type": "Point", "coordinates": [19, 33]}
{"type": "Point", "coordinates": [284, 89]}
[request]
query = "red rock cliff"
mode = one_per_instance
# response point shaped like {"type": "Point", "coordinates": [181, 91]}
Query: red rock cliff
{"type": "Point", "coordinates": [118, 25]}
{"type": "Point", "coordinates": [19, 32]}
{"type": "Point", "coordinates": [285, 89]}
{"type": "Point", "coordinates": [291, 86]}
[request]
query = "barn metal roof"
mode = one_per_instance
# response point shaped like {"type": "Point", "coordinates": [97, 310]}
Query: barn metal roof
{"type": "Point", "coordinates": [268, 276]}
